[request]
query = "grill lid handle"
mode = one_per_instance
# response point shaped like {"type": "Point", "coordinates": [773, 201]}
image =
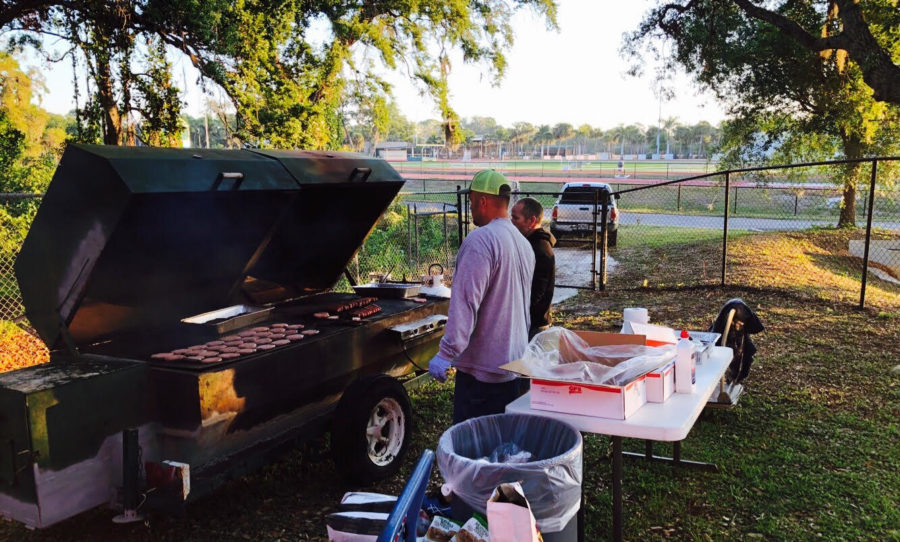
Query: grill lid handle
{"type": "Point", "coordinates": [236, 176]}
{"type": "Point", "coordinates": [359, 174]}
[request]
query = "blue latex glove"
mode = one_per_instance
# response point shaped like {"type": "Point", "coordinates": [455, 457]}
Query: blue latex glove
{"type": "Point", "coordinates": [438, 367]}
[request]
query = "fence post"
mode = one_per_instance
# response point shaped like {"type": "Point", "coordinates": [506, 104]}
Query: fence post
{"type": "Point", "coordinates": [734, 205]}
{"type": "Point", "coordinates": [604, 238]}
{"type": "Point", "coordinates": [416, 229]}
{"type": "Point", "coordinates": [446, 236]}
{"type": "Point", "coordinates": [865, 271]}
{"type": "Point", "coordinates": [679, 197]}
{"type": "Point", "coordinates": [796, 202]}
{"type": "Point", "coordinates": [725, 228]}
{"type": "Point", "coordinates": [459, 215]}
{"type": "Point", "coordinates": [594, 244]}
{"type": "Point", "coordinates": [409, 234]}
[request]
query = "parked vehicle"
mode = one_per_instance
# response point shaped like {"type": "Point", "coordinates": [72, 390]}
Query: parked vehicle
{"type": "Point", "coordinates": [573, 213]}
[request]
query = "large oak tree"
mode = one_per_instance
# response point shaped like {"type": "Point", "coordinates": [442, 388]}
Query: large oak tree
{"type": "Point", "coordinates": [286, 83]}
{"type": "Point", "coordinates": [771, 83]}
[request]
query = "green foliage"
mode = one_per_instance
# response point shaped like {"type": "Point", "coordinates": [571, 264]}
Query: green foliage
{"type": "Point", "coordinates": [30, 142]}
{"type": "Point", "coordinates": [285, 80]}
{"type": "Point", "coordinates": [12, 145]}
{"type": "Point", "coordinates": [387, 249]}
{"type": "Point", "coordinates": [372, 115]}
{"type": "Point", "coordinates": [806, 105]}
{"type": "Point", "coordinates": [158, 100]}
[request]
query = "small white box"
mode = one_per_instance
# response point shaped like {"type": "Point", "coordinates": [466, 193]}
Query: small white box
{"type": "Point", "coordinates": [661, 383]}
{"type": "Point", "coordinates": [656, 335]}
{"type": "Point", "coordinates": [616, 402]}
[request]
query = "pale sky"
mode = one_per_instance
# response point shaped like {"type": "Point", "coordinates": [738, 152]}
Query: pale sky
{"type": "Point", "coordinates": [574, 75]}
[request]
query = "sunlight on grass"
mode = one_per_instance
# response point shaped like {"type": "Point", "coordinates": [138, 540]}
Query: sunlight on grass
{"type": "Point", "coordinates": [816, 262]}
{"type": "Point", "coordinates": [654, 237]}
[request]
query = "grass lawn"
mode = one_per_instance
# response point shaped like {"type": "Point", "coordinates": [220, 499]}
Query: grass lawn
{"type": "Point", "coordinates": [812, 451]}
{"type": "Point", "coordinates": [633, 237]}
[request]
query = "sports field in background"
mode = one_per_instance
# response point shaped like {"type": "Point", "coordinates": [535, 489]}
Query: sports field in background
{"type": "Point", "coordinates": [559, 168]}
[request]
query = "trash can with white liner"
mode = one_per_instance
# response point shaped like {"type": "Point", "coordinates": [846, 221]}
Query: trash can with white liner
{"type": "Point", "coordinates": [551, 478]}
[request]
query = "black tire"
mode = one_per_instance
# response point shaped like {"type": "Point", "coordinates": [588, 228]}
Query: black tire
{"type": "Point", "coordinates": [378, 405]}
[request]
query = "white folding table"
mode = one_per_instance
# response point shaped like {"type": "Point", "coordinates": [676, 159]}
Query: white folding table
{"type": "Point", "coordinates": [669, 421]}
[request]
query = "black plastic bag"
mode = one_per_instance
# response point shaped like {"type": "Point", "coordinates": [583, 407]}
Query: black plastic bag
{"type": "Point", "coordinates": [743, 324]}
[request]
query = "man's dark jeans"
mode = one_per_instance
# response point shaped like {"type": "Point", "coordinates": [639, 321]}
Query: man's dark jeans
{"type": "Point", "coordinates": [473, 398]}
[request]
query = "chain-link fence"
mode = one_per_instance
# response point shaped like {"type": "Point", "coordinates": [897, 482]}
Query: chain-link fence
{"type": "Point", "coordinates": [416, 236]}
{"type": "Point", "coordinates": [716, 229]}
{"type": "Point", "coordinates": [16, 213]}
{"type": "Point", "coordinates": [10, 300]}
{"type": "Point", "coordinates": [416, 232]}
{"type": "Point", "coordinates": [703, 230]}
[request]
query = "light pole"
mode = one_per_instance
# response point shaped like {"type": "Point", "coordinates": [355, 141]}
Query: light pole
{"type": "Point", "coordinates": [659, 91]}
{"type": "Point", "coordinates": [658, 126]}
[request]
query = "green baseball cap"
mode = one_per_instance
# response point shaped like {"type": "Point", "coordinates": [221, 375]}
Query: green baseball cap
{"type": "Point", "coordinates": [491, 182]}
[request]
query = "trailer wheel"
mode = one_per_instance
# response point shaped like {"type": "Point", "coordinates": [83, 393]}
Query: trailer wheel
{"type": "Point", "coordinates": [371, 429]}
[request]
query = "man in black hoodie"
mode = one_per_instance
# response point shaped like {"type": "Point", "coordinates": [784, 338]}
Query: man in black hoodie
{"type": "Point", "coordinates": [526, 216]}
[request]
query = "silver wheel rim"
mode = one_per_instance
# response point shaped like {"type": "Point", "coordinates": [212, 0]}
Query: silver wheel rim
{"type": "Point", "coordinates": [385, 431]}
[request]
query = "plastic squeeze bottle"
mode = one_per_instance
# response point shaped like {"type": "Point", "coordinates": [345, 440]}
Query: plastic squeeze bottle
{"type": "Point", "coordinates": [685, 369]}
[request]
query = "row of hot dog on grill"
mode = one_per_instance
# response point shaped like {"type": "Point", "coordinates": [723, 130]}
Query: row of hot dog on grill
{"type": "Point", "coordinates": [356, 309]}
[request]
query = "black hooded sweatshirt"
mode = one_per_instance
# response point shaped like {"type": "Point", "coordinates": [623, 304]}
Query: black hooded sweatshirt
{"type": "Point", "coordinates": [542, 242]}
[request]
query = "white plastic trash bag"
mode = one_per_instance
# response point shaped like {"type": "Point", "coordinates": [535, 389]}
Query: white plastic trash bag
{"type": "Point", "coordinates": [551, 480]}
{"type": "Point", "coordinates": [560, 354]}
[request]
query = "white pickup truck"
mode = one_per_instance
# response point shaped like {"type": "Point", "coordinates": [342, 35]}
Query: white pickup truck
{"type": "Point", "coordinates": [573, 213]}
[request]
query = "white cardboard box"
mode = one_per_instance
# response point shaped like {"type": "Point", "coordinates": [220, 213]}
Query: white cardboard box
{"type": "Point", "coordinates": [617, 402]}
{"type": "Point", "coordinates": [661, 383]}
{"type": "Point", "coordinates": [606, 401]}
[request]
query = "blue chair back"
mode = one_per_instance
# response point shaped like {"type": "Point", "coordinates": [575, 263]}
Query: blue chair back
{"type": "Point", "coordinates": [406, 511]}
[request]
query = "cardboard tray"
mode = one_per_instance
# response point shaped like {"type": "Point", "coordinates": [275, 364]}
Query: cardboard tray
{"type": "Point", "coordinates": [231, 318]}
{"type": "Point", "coordinates": [388, 290]}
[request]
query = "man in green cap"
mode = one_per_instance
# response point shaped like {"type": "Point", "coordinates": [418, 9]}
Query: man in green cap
{"type": "Point", "coordinates": [489, 308]}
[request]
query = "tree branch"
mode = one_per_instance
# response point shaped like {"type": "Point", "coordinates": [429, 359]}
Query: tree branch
{"type": "Point", "coordinates": [11, 11]}
{"type": "Point", "coordinates": [878, 69]}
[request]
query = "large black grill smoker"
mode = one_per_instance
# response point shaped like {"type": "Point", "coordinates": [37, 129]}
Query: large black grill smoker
{"type": "Point", "coordinates": [139, 252]}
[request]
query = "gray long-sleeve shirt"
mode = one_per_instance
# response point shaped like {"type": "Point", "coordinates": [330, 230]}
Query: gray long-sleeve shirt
{"type": "Point", "coordinates": [489, 309]}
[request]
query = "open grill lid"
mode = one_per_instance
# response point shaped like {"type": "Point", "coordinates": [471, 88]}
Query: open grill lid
{"type": "Point", "coordinates": [131, 237]}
